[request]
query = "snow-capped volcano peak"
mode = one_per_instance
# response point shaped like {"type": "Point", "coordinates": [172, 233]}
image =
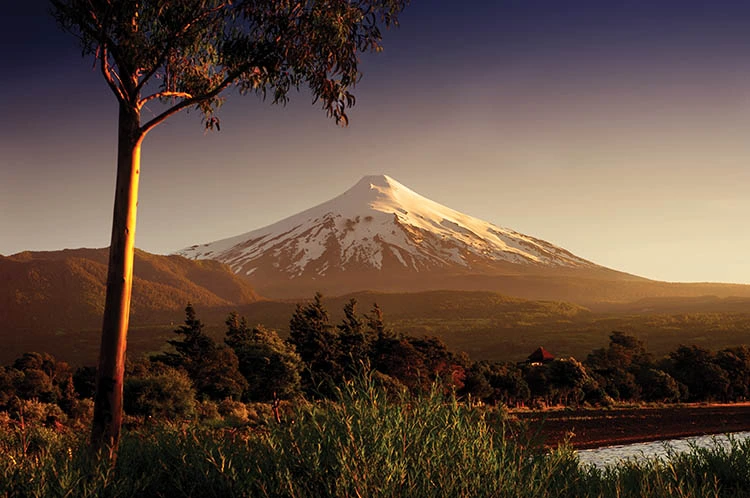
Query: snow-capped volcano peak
{"type": "Point", "coordinates": [379, 225]}
{"type": "Point", "coordinates": [379, 192]}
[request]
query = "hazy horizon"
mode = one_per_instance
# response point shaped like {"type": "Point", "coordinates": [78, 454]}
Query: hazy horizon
{"type": "Point", "coordinates": [616, 132]}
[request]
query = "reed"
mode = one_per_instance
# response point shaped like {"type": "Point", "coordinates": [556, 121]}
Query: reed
{"type": "Point", "coordinates": [368, 443]}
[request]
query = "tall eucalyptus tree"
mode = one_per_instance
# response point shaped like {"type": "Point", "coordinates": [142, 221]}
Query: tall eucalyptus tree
{"type": "Point", "coordinates": [186, 54]}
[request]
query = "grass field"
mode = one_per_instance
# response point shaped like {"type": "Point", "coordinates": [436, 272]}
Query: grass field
{"type": "Point", "coordinates": [368, 443]}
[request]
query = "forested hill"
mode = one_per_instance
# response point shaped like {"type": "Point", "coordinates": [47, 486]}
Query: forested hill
{"type": "Point", "coordinates": [51, 294]}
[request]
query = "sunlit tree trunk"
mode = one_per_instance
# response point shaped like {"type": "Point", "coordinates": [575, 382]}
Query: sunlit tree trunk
{"type": "Point", "coordinates": [109, 381]}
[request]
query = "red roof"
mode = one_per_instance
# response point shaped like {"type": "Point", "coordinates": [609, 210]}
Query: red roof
{"type": "Point", "coordinates": [541, 355]}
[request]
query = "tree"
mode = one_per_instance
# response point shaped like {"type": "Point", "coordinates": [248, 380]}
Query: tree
{"type": "Point", "coordinates": [399, 359]}
{"type": "Point", "coordinates": [192, 347]}
{"type": "Point", "coordinates": [10, 379]}
{"type": "Point", "coordinates": [269, 364]}
{"type": "Point", "coordinates": [45, 379]}
{"type": "Point", "coordinates": [441, 364]}
{"type": "Point", "coordinates": [356, 339]}
{"type": "Point", "coordinates": [508, 384]}
{"type": "Point", "coordinates": [317, 343]}
{"type": "Point", "coordinates": [84, 381]}
{"type": "Point", "coordinates": [696, 368]}
{"type": "Point", "coordinates": [735, 362]}
{"type": "Point", "coordinates": [477, 384]}
{"type": "Point", "coordinates": [185, 54]}
{"type": "Point", "coordinates": [375, 323]}
{"type": "Point", "coordinates": [538, 382]}
{"type": "Point", "coordinates": [617, 368]}
{"type": "Point", "coordinates": [658, 385]}
{"type": "Point", "coordinates": [567, 376]}
{"type": "Point", "coordinates": [214, 369]}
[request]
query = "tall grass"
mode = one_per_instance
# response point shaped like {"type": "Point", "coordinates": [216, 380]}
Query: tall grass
{"type": "Point", "coordinates": [366, 444]}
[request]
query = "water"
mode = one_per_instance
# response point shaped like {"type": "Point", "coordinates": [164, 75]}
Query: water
{"type": "Point", "coordinates": [611, 455]}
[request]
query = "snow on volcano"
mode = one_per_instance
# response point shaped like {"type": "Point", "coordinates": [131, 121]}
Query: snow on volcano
{"type": "Point", "coordinates": [379, 224]}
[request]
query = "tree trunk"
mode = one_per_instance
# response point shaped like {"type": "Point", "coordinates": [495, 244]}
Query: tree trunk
{"type": "Point", "coordinates": [109, 380]}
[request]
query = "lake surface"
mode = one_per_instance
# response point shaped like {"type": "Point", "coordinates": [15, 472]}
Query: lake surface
{"type": "Point", "coordinates": [612, 455]}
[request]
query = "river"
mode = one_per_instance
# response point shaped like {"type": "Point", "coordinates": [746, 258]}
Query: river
{"type": "Point", "coordinates": [612, 455]}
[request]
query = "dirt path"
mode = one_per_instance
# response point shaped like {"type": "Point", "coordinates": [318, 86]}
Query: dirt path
{"type": "Point", "coordinates": [593, 428]}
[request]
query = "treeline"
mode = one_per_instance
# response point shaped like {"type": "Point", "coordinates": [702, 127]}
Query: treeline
{"type": "Point", "coordinates": [622, 372]}
{"type": "Point", "coordinates": [201, 376]}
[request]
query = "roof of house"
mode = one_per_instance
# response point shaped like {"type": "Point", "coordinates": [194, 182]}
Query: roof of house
{"type": "Point", "coordinates": [541, 355]}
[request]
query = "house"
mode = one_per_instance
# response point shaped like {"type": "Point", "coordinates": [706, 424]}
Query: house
{"type": "Point", "coordinates": [540, 357]}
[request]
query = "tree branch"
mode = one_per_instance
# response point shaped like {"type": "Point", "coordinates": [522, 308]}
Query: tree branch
{"type": "Point", "coordinates": [108, 74]}
{"type": "Point", "coordinates": [161, 59]}
{"type": "Point", "coordinates": [158, 95]}
{"type": "Point", "coordinates": [192, 101]}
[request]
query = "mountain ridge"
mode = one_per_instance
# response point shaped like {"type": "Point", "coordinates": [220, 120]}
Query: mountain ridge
{"type": "Point", "coordinates": [51, 288]}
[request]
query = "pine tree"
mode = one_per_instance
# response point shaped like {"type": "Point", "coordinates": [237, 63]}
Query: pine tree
{"type": "Point", "coordinates": [375, 322]}
{"type": "Point", "coordinates": [193, 346]}
{"type": "Point", "coordinates": [355, 339]}
{"type": "Point", "coordinates": [318, 345]}
{"type": "Point", "coordinates": [238, 332]}
{"type": "Point", "coordinates": [213, 369]}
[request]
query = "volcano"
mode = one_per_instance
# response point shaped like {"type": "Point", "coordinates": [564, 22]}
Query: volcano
{"type": "Point", "coordinates": [381, 235]}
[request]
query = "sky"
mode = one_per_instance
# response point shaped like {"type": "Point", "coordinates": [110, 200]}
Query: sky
{"type": "Point", "coordinates": [617, 130]}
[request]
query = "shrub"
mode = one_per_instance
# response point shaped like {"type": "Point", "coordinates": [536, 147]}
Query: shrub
{"type": "Point", "coordinates": [168, 394]}
{"type": "Point", "coordinates": [234, 412]}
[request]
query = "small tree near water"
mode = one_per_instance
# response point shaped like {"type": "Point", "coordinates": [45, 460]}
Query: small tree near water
{"type": "Point", "coordinates": [184, 54]}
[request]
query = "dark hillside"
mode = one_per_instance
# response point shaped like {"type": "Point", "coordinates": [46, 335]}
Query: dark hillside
{"type": "Point", "coordinates": [48, 295]}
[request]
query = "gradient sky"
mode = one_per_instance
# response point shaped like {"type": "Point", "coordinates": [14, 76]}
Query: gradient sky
{"type": "Point", "coordinates": [618, 130]}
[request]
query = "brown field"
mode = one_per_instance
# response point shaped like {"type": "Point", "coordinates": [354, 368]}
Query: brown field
{"type": "Point", "coordinates": [593, 428]}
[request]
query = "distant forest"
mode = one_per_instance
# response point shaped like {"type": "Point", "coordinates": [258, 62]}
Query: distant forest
{"type": "Point", "coordinates": [200, 376]}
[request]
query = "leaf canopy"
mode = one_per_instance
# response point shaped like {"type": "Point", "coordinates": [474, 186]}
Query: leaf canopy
{"type": "Point", "coordinates": [187, 52]}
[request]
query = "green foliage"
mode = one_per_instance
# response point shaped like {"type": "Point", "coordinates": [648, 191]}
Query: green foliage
{"type": "Point", "coordinates": [213, 369]}
{"type": "Point", "coordinates": [696, 368]}
{"type": "Point", "coordinates": [193, 347]}
{"type": "Point", "coordinates": [735, 362]}
{"type": "Point", "coordinates": [567, 377]}
{"type": "Point", "coordinates": [234, 412]}
{"type": "Point", "coordinates": [488, 327]}
{"type": "Point", "coordinates": [37, 376]}
{"type": "Point", "coordinates": [365, 443]}
{"type": "Point", "coordinates": [9, 379]}
{"type": "Point", "coordinates": [356, 338]}
{"type": "Point", "coordinates": [164, 394]}
{"type": "Point", "coordinates": [317, 343]}
{"type": "Point", "coordinates": [192, 50]}
{"type": "Point", "coordinates": [269, 364]}
{"type": "Point", "coordinates": [218, 376]}
{"type": "Point", "coordinates": [618, 368]}
{"type": "Point", "coordinates": [658, 385]}
{"type": "Point", "coordinates": [257, 365]}
{"type": "Point", "coordinates": [400, 360]}
{"type": "Point", "coordinates": [84, 381]}
{"type": "Point", "coordinates": [497, 383]}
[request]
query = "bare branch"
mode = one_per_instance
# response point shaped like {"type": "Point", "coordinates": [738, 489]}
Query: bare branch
{"type": "Point", "coordinates": [159, 95]}
{"type": "Point", "coordinates": [110, 75]}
